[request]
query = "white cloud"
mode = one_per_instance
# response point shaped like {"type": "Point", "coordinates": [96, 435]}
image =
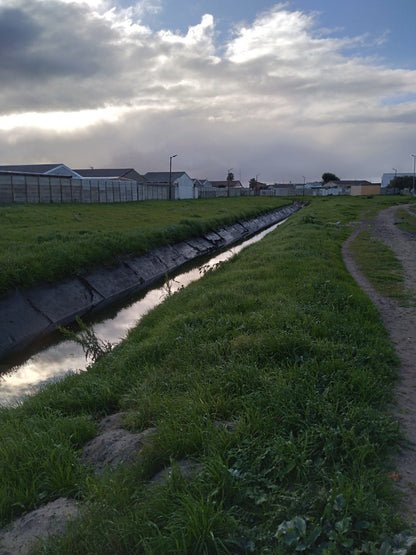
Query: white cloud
{"type": "Point", "coordinates": [279, 85]}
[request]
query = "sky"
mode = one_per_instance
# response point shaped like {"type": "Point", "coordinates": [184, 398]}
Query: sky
{"type": "Point", "coordinates": [281, 91]}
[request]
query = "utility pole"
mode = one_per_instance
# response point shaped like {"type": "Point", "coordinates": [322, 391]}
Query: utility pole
{"type": "Point", "coordinates": [170, 175]}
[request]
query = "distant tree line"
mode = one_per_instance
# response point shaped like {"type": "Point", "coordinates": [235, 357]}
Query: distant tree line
{"type": "Point", "coordinates": [328, 176]}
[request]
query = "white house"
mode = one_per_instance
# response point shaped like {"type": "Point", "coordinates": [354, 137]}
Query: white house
{"type": "Point", "coordinates": [182, 185]}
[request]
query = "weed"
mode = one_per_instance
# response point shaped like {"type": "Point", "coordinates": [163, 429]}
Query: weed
{"type": "Point", "coordinates": [94, 347]}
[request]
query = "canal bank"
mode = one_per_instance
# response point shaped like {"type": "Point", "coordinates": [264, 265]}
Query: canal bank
{"type": "Point", "coordinates": [26, 316]}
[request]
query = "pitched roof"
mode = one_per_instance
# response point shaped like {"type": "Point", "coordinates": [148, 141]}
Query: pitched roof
{"type": "Point", "coordinates": [162, 177]}
{"type": "Point", "coordinates": [32, 168]}
{"type": "Point", "coordinates": [348, 182]}
{"type": "Point", "coordinates": [226, 183]}
{"type": "Point", "coordinates": [104, 172]}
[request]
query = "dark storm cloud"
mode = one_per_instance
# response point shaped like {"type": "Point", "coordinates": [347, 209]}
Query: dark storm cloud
{"type": "Point", "coordinates": [17, 31]}
{"type": "Point", "coordinates": [50, 51]}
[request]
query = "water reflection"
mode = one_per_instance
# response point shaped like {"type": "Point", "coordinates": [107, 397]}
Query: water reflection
{"type": "Point", "coordinates": [66, 356]}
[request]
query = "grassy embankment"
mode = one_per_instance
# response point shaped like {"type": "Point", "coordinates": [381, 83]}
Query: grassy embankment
{"type": "Point", "coordinates": [379, 263]}
{"type": "Point", "coordinates": [49, 242]}
{"type": "Point", "coordinates": [281, 343]}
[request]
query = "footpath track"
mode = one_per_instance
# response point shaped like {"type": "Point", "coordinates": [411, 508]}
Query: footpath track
{"type": "Point", "coordinates": [400, 322]}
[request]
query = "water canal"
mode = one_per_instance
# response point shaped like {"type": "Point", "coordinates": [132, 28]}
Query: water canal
{"type": "Point", "coordinates": [60, 356]}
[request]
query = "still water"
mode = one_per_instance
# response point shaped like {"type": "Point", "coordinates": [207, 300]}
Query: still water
{"type": "Point", "coordinates": [64, 356]}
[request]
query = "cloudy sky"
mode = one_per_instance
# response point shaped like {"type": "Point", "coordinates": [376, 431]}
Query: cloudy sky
{"type": "Point", "coordinates": [281, 90]}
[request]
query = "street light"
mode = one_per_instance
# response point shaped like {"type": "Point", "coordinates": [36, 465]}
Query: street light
{"type": "Point", "coordinates": [228, 180]}
{"type": "Point", "coordinates": [170, 175]}
{"type": "Point", "coordinates": [414, 167]}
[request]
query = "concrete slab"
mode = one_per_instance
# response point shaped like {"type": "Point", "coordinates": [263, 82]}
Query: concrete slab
{"type": "Point", "coordinates": [187, 251]}
{"type": "Point", "coordinates": [20, 323]}
{"type": "Point", "coordinates": [111, 282]}
{"type": "Point", "coordinates": [64, 301]}
{"type": "Point", "coordinates": [214, 238]}
{"type": "Point", "coordinates": [148, 268]}
{"type": "Point", "coordinates": [170, 257]}
{"type": "Point", "coordinates": [201, 245]}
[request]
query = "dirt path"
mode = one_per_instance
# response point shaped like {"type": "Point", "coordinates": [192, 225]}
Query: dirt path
{"type": "Point", "coordinates": [401, 325]}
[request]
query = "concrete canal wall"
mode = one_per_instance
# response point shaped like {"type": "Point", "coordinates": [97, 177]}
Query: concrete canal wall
{"type": "Point", "coordinates": [28, 315]}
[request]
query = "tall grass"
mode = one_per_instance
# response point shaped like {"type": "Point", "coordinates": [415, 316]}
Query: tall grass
{"type": "Point", "coordinates": [50, 242]}
{"type": "Point", "coordinates": [279, 343]}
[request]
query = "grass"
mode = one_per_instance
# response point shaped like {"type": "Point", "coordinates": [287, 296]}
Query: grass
{"type": "Point", "coordinates": [293, 354]}
{"type": "Point", "coordinates": [381, 266]}
{"type": "Point", "coordinates": [50, 242]}
{"type": "Point", "coordinates": [407, 219]}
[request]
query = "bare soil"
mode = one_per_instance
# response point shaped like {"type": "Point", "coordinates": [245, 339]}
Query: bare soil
{"type": "Point", "coordinates": [401, 324]}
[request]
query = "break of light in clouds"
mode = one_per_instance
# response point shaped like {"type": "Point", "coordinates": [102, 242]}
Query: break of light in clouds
{"type": "Point", "coordinates": [91, 83]}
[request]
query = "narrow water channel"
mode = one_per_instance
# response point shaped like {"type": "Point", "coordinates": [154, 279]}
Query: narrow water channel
{"type": "Point", "coordinates": [56, 360]}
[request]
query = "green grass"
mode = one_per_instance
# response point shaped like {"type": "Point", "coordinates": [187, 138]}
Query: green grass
{"type": "Point", "coordinates": [407, 221]}
{"type": "Point", "coordinates": [281, 342]}
{"type": "Point", "coordinates": [50, 242]}
{"type": "Point", "coordinates": [381, 266]}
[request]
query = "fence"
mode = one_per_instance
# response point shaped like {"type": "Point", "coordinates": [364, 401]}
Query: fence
{"type": "Point", "coordinates": [16, 187]}
{"type": "Point", "coordinates": [215, 192]}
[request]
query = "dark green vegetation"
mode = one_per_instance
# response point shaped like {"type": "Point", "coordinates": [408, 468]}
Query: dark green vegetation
{"type": "Point", "coordinates": [327, 176]}
{"type": "Point", "coordinates": [382, 268]}
{"type": "Point", "coordinates": [401, 182]}
{"type": "Point", "coordinates": [49, 242]}
{"type": "Point", "coordinates": [281, 343]}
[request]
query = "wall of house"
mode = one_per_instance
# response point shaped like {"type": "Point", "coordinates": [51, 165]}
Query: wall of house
{"type": "Point", "coordinates": [358, 190]}
{"type": "Point", "coordinates": [184, 188]}
{"type": "Point", "coordinates": [53, 189]}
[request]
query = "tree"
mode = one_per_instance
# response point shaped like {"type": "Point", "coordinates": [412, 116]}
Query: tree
{"type": "Point", "coordinates": [327, 176]}
{"type": "Point", "coordinates": [401, 182]}
{"type": "Point", "coordinates": [253, 183]}
{"type": "Point", "coordinates": [230, 176]}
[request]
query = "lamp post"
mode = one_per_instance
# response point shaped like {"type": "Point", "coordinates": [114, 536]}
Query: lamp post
{"type": "Point", "coordinates": [170, 175]}
{"type": "Point", "coordinates": [229, 175]}
{"type": "Point", "coordinates": [414, 167]}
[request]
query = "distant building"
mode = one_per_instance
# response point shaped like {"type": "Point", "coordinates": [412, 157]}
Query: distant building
{"type": "Point", "coordinates": [42, 169]}
{"type": "Point", "coordinates": [120, 174]}
{"type": "Point", "coordinates": [387, 177]}
{"type": "Point", "coordinates": [283, 189]}
{"type": "Point", "coordinates": [201, 183]}
{"type": "Point", "coordinates": [234, 184]}
{"type": "Point", "coordinates": [182, 185]}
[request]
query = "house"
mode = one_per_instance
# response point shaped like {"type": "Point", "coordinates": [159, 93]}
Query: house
{"type": "Point", "coordinates": [43, 169]}
{"type": "Point", "coordinates": [235, 184]}
{"type": "Point", "coordinates": [283, 189]}
{"type": "Point", "coordinates": [365, 189]}
{"type": "Point", "coordinates": [120, 174]}
{"type": "Point", "coordinates": [353, 187]}
{"type": "Point", "coordinates": [182, 186]}
{"type": "Point", "coordinates": [201, 183]}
